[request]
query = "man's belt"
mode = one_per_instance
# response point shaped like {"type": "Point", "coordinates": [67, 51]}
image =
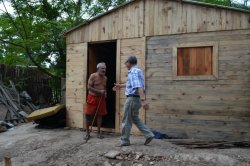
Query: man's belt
{"type": "Point", "coordinates": [133, 96]}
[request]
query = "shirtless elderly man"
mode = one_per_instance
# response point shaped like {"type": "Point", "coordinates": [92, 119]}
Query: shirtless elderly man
{"type": "Point", "coordinates": [96, 93]}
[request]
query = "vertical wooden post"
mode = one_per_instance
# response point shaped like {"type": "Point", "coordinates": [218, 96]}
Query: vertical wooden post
{"type": "Point", "coordinates": [85, 79]}
{"type": "Point", "coordinates": [7, 161]}
{"type": "Point", "coordinates": [143, 67]}
{"type": "Point", "coordinates": [118, 79]}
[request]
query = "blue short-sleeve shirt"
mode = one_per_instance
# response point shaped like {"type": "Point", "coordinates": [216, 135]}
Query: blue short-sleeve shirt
{"type": "Point", "coordinates": [135, 80]}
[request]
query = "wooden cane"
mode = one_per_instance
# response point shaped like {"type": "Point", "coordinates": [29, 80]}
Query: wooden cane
{"type": "Point", "coordinates": [96, 112]}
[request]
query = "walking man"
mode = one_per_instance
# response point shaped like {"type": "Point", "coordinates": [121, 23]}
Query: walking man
{"type": "Point", "coordinates": [135, 93]}
{"type": "Point", "coordinates": [96, 99]}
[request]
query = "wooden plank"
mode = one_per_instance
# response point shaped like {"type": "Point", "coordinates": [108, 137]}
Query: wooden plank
{"type": "Point", "coordinates": [190, 127]}
{"type": "Point", "coordinates": [141, 10]}
{"type": "Point", "coordinates": [120, 25]}
{"type": "Point", "coordinates": [76, 83]}
{"type": "Point", "coordinates": [215, 62]}
{"type": "Point", "coordinates": [205, 122]}
{"type": "Point", "coordinates": [7, 161]}
{"type": "Point", "coordinates": [149, 18]}
{"type": "Point", "coordinates": [143, 68]}
{"type": "Point", "coordinates": [156, 22]}
{"type": "Point", "coordinates": [189, 18]}
{"type": "Point", "coordinates": [200, 57]}
{"type": "Point", "coordinates": [244, 23]}
{"type": "Point", "coordinates": [180, 59]}
{"type": "Point", "coordinates": [184, 18]}
{"type": "Point", "coordinates": [208, 61]}
{"type": "Point", "coordinates": [179, 21]}
{"type": "Point", "coordinates": [194, 61]}
{"type": "Point", "coordinates": [179, 118]}
{"type": "Point", "coordinates": [211, 144]}
{"type": "Point", "coordinates": [3, 112]}
{"type": "Point", "coordinates": [137, 48]}
{"type": "Point", "coordinates": [75, 118]}
{"type": "Point", "coordinates": [171, 109]}
{"type": "Point", "coordinates": [186, 60]}
{"type": "Point", "coordinates": [118, 75]}
{"type": "Point", "coordinates": [9, 100]}
{"type": "Point", "coordinates": [194, 13]}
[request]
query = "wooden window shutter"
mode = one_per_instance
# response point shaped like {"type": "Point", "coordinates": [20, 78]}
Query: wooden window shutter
{"type": "Point", "coordinates": [194, 61]}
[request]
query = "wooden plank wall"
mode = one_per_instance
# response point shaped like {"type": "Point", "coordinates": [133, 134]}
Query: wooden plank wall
{"type": "Point", "coordinates": [127, 22]}
{"type": "Point", "coordinates": [76, 71]}
{"type": "Point", "coordinates": [209, 109]}
{"type": "Point", "coordinates": [129, 47]}
{"type": "Point", "coordinates": [159, 17]}
{"type": "Point", "coordinates": [173, 17]}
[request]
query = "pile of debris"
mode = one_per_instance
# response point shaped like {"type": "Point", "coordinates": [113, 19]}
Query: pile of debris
{"type": "Point", "coordinates": [14, 107]}
{"type": "Point", "coordinates": [118, 158]}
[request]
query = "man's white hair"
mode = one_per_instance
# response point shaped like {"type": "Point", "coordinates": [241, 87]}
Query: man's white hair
{"type": "Point", "coordinates": [101, 64]}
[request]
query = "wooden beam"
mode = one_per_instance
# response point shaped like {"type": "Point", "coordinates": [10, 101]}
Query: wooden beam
{"type": "Point", "coordinates": [7, 161]}
{"type": "Point", "coordinates": [118, 76]}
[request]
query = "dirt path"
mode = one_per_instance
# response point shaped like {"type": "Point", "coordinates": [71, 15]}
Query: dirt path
{"type": "Point", "coordinates": [29, 146]}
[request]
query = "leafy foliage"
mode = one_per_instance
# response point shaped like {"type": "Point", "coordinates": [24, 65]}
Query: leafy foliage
{"type": "Point", "coordinates": [31, 35]}
{"type": "Point", "coordinates": [229, 3]}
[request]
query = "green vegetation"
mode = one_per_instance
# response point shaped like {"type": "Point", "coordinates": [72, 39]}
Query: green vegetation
{"type": "Point", "coordinates": [31, 35]}
{"type": "Point", "coordinates": [229, 3]}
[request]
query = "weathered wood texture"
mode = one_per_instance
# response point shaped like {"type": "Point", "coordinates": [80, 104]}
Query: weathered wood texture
{"type": "Point", "coordinates": [158, 17]}
{"type": "Point", "coordinates": [127, 22]}
{"type": "Point", "coordinates": [214, 109]}
{"type": "Point", "coordinates": [173, 17]}
{"type": "Point", "coordinates": [129, 47]}
{"type": "Point", "coordinates": [76, 74]}
{"type": "Point", "coordinates": [194, 61]}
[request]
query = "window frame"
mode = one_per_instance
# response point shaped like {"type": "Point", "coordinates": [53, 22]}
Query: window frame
{"type": "Point", "coordinates": [214, 75]}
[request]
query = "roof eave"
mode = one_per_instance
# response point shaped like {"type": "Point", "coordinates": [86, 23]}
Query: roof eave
{"type": "Point", "coordinates": [97, 17]}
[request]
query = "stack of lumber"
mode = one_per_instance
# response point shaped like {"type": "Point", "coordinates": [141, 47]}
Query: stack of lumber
{"type": "Point", "coordinates": [14, 108]}
{"type": "Point", "coordinates": [200, 144]}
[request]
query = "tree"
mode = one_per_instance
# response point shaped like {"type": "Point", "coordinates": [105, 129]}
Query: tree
{"type": "Point", "coordinates": [31, 35]}
{"type": "Point", "coordinates": [229, 3]}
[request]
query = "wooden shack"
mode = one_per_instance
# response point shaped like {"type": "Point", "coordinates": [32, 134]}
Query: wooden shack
{"type": "Point", "coordinates": [196, 59]}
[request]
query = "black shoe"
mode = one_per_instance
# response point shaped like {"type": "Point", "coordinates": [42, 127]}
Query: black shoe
{"type": "Point", "coordinates": [124, 144]}
{"type": "Point", "coordinates": [148, 140]}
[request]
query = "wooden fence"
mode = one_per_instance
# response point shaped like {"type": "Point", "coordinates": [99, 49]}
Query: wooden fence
{"type": "Point", "coordinates": [43, 89]}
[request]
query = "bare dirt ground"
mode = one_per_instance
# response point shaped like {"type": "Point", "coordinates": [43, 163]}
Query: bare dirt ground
{"type": "Point", "coordinates": [28, 146]}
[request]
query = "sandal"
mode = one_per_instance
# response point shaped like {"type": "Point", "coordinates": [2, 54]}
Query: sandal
{"type": "Point", "coordinates": [100, 136]}
{"type": "Point", "coordinates": [87, 137]}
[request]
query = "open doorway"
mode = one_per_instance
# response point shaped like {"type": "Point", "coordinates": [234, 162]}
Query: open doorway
{"type": "Point", "coordinates": [105, 52]}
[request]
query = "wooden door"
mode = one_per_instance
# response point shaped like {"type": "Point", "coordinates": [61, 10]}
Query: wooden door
{"type": "Point", "coordinates": [125, 48]}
